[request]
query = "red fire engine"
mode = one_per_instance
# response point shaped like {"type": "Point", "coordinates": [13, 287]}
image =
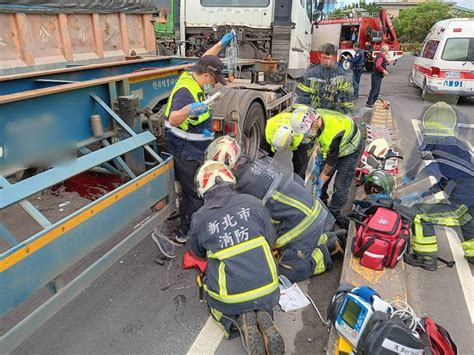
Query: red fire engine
{"type": "Point", "coordinates": [370, 32]}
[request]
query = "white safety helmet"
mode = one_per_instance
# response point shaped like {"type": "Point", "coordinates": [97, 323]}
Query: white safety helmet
{"type": "Point", "coordinates": [224, 149]}
{"type": "Point", "coordinates": [210, 174]}
{"type": "Point", "coordinates": [282, 137]}
{"type": "Point", "coordinates": [378, 148]}
{"type": "Point", "coordinates": [302, 119]}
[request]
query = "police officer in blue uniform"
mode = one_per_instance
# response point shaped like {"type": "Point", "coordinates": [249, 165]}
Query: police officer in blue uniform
{"type": "Point", "coordinates": [189, 128]}
{"type": "Point", "coordinates": [357, 63]}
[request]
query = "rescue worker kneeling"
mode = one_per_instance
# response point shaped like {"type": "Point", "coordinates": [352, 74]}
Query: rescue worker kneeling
{"type": "Point", "coordinates": [303, 245]}
{"type": "Point", "coordinates": [234, 232]}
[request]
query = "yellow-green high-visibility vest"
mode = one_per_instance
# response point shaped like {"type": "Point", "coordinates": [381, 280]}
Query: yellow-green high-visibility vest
{"type": "Point", "coordinates": [334, 123]}
{"type": "Point", "coordinates": [187, 81]}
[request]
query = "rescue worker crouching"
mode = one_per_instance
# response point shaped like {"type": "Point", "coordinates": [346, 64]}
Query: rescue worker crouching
{"type": "Point", "coordinates": [340, 145]}
{"type": "Point", "coordinates": [234, 232]}
{"type": "Point", "coordinates": [189, 129]}
{"type": "Point", "coordinates": [304, 244]}
{"type": "Point", "coordinates": [451, 164]}
{"type": "Point", "coordinates": [281, 134]}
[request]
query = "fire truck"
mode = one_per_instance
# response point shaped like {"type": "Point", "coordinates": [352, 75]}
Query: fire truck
{"type": "Point", "coordinates": [370, 32]}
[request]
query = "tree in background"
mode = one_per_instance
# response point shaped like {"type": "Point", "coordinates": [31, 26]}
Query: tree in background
{"type": "Point", "coordinates": [413, 24]}
{"type": "Point", "coordinates": [372, 8]}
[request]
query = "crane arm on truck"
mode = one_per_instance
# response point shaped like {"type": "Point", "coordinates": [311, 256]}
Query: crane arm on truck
{"type": "Point", "coordinates": [387, 27]}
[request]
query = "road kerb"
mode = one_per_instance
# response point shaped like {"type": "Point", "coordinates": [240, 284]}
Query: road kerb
{"type": "Point", "coordinates": [390, 283]}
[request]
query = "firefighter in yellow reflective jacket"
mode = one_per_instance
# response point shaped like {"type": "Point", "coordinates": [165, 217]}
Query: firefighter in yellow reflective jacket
{"type": "Point", "coordinates": [340, 144]}
{"type": "Point", "coordinates": [234, 233]}
{"type": "Point", "coordinates": [304, 244]}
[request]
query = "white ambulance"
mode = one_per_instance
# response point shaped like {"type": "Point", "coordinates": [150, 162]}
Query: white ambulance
{"type": "Point", "coordinates": [446, 62]}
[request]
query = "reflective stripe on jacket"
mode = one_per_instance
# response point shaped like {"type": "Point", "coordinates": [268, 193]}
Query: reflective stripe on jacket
{"type": "Point", "coordinates": [334, 123]}
{"type": "Point", "coordinates": [315, 89]}
{"type": "Point", "coordinates": [293, 209]}
{"type": "Point", "coordinates": [235, 232]}
{"type": "Point", "coordinates": [187, 81]}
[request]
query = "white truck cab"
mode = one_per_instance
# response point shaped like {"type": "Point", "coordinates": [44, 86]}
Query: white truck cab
{"type": "Point", "coordinates": [446, 62]}
{"type": "Point", "coordinates": [280, 28]}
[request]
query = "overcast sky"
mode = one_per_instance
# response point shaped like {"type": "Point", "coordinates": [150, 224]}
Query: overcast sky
{"type": "Point", "coordinates": [466, 3]}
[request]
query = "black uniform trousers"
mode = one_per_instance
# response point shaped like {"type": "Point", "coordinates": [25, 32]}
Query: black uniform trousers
{"type": "Point", "coordinates": [189, 201]}
{"type": "Point", "coordinates": [376, 83]}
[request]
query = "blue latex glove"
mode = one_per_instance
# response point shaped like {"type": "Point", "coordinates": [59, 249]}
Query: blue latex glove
{"type": "Point", "coordinates": [227, 38]}
{"type": "Point", "coordinates": [320, 161]}
{"type": "Point", "coordinates": [318, 187]}
{"type": "Point", "coordinates": [207, 133]}
{"type": "Point", "coordinates": [197, 108]}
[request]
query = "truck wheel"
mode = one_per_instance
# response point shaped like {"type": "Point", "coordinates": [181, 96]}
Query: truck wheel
{"type": "Point", "coordinates": [369, 66]}
{"type": "Point", "coordinates": [253, 129]}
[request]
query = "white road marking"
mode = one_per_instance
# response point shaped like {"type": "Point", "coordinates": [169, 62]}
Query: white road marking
{"type": "Point", "coordinates": [208, 339]}
{"type": "Point", "coordinates": [462, 266]}
{"type": "Point", "coordinates": [464, 272]}
{"type": "Point", "coordinates": [466, 125]}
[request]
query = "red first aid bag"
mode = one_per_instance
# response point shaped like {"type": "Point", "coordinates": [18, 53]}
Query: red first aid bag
{"type": "Point", "coordinates": [439, 340]}
{"type": "Point", "coordinates": [382, 238]}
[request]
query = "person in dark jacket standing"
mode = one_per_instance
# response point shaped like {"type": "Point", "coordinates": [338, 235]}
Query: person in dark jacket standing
{"type": "Point", "coordinates": [235, 233]}
{"type": "Point", "coordinates": [377, 76]}
{"type": "Point", "coordinates": [357, 67]}
{"type": "Point", "coordinates": [189, 128]}
{"type": "Point", "coordinates": [324, 85]}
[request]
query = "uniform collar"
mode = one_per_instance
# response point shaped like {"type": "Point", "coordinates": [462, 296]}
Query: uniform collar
{"type": "Point", "coordinates": [218, 196]}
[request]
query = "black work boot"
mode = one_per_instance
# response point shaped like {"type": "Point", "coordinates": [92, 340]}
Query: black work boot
{"type": "Point", "coordinates": [253, 340]}
{"type": "Point", "coordinates": [470, 259]}
{"type": "Point", "coordinates": [426, 262]}
{"type": "Point", "coordinates": [272, 339]}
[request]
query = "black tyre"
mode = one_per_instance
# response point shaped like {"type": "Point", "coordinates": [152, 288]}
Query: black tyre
{"type": "Point", "coordinates": [424, 92]}
{"type": "Point", "coordinates": [411, 82]}
{"type": "Point", "coordinates": [253, 129]}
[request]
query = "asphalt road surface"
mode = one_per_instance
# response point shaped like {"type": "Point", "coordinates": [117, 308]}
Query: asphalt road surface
{"type": "Point", "coordinates": [141, 307]}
